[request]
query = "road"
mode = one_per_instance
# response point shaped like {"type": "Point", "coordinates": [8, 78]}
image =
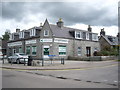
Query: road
{"type": "Point", "coordinates": [97, 77]}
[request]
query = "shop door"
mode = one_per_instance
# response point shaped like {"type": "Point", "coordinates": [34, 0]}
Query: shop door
{"type": "Point", "coordinates": [46, 50]}
{"type": "Point", "coordinates": [88, 51]}
{"type": "Point", "coordinates": [14, 51]}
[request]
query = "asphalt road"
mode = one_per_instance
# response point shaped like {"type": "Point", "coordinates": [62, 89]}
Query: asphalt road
{"type": "Point", "coordinates": [100, 77]}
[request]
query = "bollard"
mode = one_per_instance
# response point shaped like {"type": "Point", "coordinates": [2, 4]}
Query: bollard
{"type": "Point", "coordinates": [62, 61]}
{"type": "Point", "coordinates": [42, 62]}
{"type": "Point", "coordinates": [11, 61]}
{"type": "Point", "coordinates": [29, 60]}
{"type": "Point", "coordinates": [24, 61]}
{"type": "Point", "coordinates": [51, 60]}
{"type": "Point", "coordinates": [3, 59]}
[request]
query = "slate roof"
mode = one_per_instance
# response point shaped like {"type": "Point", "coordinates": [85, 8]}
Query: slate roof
{"type": "Point", "coordinates": [114, 39]}
{"type": "Point", "coordinates": [64, 31]}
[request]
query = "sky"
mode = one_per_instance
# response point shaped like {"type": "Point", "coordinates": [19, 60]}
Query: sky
{"type": "Point", "coordinates": [74, 13]}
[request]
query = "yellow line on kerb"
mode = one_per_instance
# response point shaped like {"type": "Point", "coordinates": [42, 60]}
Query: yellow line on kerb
{"type": "Point", "coordinates": [60, 69]}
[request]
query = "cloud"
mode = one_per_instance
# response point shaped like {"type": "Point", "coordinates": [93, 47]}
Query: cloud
{"type": "Point", "coordinates": [28, 14]}
{"type": "Point", "coordinates": [13, 10]}
{"type": "Point", "coordinates": [72, 13]}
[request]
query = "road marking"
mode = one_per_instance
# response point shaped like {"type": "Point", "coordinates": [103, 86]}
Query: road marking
{"type": "Point", "coordinates": [58, 69]}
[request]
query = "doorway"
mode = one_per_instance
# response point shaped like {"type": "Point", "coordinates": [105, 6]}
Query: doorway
{"type": "Point", "coordinates": [46, 50]}
{"type": "Point", "coordinates": [14, 51]}
{"type": "Point", "coordinates": [88, 51]}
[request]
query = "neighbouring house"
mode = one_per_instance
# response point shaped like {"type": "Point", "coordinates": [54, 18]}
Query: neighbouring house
{"type": "Point", "coordinates": [108, 40]}
{"type": "Point", "coordinates": [53, 40]}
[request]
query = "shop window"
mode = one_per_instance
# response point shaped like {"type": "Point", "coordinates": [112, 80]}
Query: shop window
{"type": "Point", "coordinates": [34, 48]}
{"type": "Point", "coordinates": [46, 33]}
{"type": "Point", "coordinates": [79, 51]}
{"type": "Point", "coordinates": [28, 50]}
{"type": "Point", "coordinates": [20, 49]}
{"type": "Point", "coordinates": [62, 50]}
{"type": "Point", "coordinates": [46, 51]}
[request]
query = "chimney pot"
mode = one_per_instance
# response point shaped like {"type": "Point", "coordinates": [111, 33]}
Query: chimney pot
{"type": "Point", "coordinates": [60, 23]}
{"type": "Point", "coordinates": [89, 28]}
{"type": "Point", "coordinates": [17, 30]}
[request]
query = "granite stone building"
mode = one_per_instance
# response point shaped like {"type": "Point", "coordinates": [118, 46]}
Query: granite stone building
{"type": "Point", "coordinates": [108, 40]}
{"type": "Point", "coordinates": [57, 40]}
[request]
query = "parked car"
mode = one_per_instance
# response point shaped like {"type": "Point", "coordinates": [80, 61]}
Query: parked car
{"type": "Point", "coordinates": [18, 58]}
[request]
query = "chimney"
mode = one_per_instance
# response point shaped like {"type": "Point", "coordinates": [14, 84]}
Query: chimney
{"type": "Point", "coordinates": [17, 30]}
{"type": "Point", "coordinates": [40, 24]}
{"type": "Point", "coordinates": [60, 23]}
{"type": "Point", "coordinates": [102, 32]}
{"type": "Point", "coordinates": [118, 35]}
{"type": "Point", "coordinates": [89, 28]}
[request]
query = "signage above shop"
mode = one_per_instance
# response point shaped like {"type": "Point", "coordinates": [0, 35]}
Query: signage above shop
{"type": "Point", "coordinates": [59, 40]}
{"type": "Point", "coordinates": [14, 44]}
{"type": "Point", "coordinates": [46, 40]}
{"type": "Point", "coordinates": [30, 41]}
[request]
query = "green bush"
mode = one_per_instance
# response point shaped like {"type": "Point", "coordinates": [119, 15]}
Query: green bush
{"type": "Point", "coordinates": [108, 52]}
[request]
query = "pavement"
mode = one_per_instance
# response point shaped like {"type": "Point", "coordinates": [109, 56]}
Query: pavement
{"type": "Point", "coordinates": [56, 65]}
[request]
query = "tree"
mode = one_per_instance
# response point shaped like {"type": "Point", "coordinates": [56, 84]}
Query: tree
{"type": "Point", "coordinates": [6, 35]}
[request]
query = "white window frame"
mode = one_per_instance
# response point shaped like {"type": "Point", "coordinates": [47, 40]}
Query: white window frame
{"type": "Point", "coordinates": [35, 50]}
{"type": "Point", "coordinates": [32, 32]}
{"type": "Point", "coordinates": [79, 49]}
{"type": "Point", "coordinates": [94, 37]}
{"type": "Point", "coordinates": [65, 50]}
{"type": "Point", "coordinates": [87, 36]}
{"type": "Point", "coordinates": [45, 32]}
{"type": "Point", "coordinates": [11, 36]}
{"type": "Point", "coordinates": [78, 33]}
{"type": "Point", "coordinates": [21, 34]}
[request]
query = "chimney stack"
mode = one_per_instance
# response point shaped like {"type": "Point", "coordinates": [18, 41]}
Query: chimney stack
{"type": "Point", "coordinates": [60, 23]}
{"type": "Point", "coordinates": [89, 28]}
{"type": "Point", "coordinates": [40, 24]}
{"type": "Point", "coordinates": [118, 35]}
{"type": "Point", "coordinates": [17, 30]}
{"type": "Point", "coordinates": [102, 32]}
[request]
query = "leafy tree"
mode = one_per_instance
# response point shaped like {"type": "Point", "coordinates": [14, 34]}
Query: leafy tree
{"type": "Point", "coordinates": [108, 51]}
{"type": "Point", "coordinates": [6, 35]}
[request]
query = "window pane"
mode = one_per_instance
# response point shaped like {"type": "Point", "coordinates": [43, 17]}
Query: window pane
{"type": "Point", "coordinates": [62, 50]}
{"type": "Point", "coordinates": [20, 49]}
{"type": "Point", "coordinates": [46, 33]}
{"type": "Point", "coordinates": [34, 50]}
{"type": "Point", "coordinates": [79, 50]}
{"type": "Point", "coordinates": [28, 50]}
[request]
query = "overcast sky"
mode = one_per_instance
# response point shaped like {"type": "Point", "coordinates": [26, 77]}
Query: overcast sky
{"type": "Point", "coordinates": [97, 13]}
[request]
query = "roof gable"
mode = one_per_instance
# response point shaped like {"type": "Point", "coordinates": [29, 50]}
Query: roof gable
{"type": "Point", "coordinates": [111, 42]}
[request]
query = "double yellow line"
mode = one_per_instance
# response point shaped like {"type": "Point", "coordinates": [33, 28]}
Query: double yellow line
{"type": "Point", "coordinates": [58, 69]}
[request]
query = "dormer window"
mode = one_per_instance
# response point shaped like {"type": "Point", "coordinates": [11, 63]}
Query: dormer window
{"type": "Point", "coordinates": [46, 33]}
{"type": "Point", "coordinates": [11, 36]}
{"type": "Point", "coordinates": [94, 37]}
{"type": "Point", "coordinates": [21, 34]}
{"type": "Point", "coordinates": [32, 32]}
{"type": "Point", "coordinates": [78, 35]}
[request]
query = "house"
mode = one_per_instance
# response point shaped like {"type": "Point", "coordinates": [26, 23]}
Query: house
{"type": "Point", "coordinates": [54, 40]}
{"type": "Point", "coordinates": [107, 40]}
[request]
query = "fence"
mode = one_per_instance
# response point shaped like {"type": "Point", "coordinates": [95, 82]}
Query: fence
{"type": "Point", "coordinates": [31, 61]}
